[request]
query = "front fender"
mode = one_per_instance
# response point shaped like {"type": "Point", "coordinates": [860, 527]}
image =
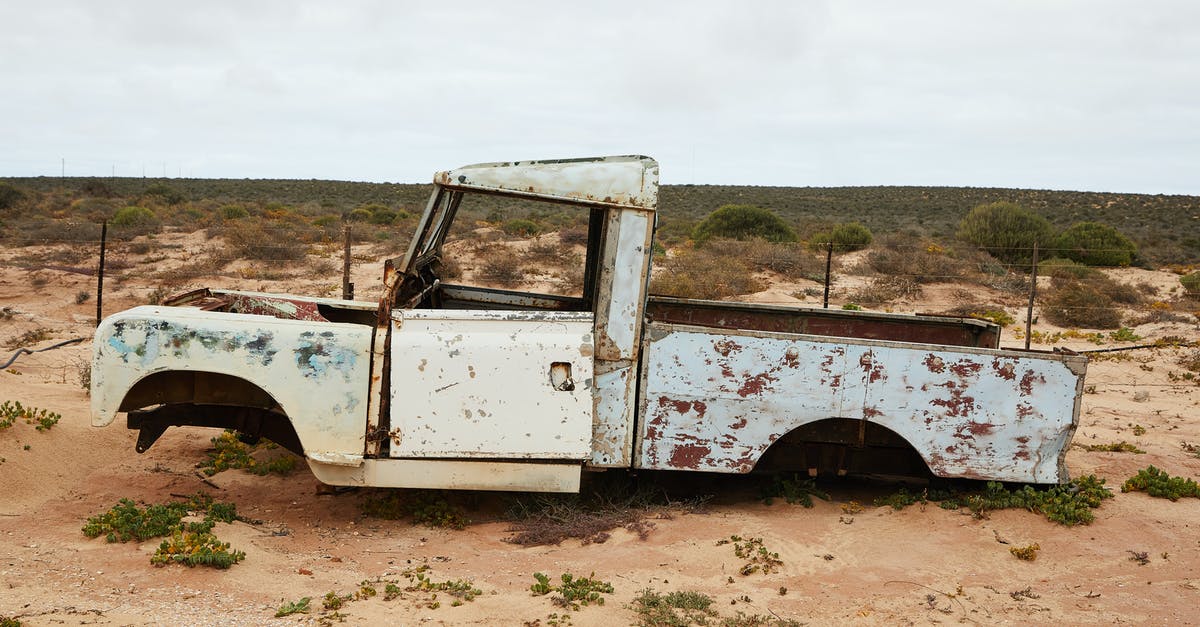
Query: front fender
{"type": "Point", "coordinates": [318, 372]}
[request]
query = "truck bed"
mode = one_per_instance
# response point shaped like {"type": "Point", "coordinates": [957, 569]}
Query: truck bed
{"type": "Point", "coordinates": [716, 400]}
{"type": "Point", "coordinates": [925, 329]}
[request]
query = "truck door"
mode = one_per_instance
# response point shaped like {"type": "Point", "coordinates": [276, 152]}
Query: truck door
{"type": "Point", "coordinates": [491, 384]}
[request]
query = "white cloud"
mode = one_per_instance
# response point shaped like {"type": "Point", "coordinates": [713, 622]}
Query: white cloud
{"type": "Point", "coordinates": [1077, 94]}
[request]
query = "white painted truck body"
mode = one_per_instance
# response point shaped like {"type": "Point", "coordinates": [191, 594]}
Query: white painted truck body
{"type": "Point", "coordinates": [446, 386]}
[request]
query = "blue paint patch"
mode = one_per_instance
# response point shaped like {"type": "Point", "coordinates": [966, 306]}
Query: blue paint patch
{"type": "Point", "coordinates": [318, 354]}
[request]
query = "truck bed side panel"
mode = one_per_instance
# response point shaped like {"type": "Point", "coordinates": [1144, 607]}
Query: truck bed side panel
{"type": "Point", "coordinates": [715, 401]}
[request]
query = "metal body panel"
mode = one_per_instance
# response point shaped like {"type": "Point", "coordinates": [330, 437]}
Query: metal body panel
{"type": "Point", "coordinates": [493, 384]}
{"type": "Point", "coordinates": [455, 475]}
{"type": "Point", "coordinates": [715, 401]}
{"type": "Point", "coordinates": [620, 304]}
{"type": "Point", "coordinates": [625, 181]}
{"type": "Point", "coordinates": [318, 373]}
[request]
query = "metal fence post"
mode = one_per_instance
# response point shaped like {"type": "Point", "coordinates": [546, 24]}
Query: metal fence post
{"type": "Point", "coordinates": [347, 286]}
{"type": "Point", "coordinates": [828, 266]}
{"type": "Point", "coordinates": [1032, 294]}
{"type": "Point", "coordinates": [100, 273]}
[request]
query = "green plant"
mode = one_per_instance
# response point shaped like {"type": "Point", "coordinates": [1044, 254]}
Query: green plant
{"type": "Point", "coordinates": [1058, 267]}
{"type": "Point", "coordinates": [9, 196]}
{"type": "Point", "coordinates": [195, 548]}
{"type": "Point", "coordinates": [1069, 504]}
{"type": "Point", "coordinates": [1095, 244]}
{"type": "Point", "coordinates": [794, 489]}
{"type": "Point", "coordinates": [28, 338]}
{"type": "Point", "coordinates": [1027, 553]}
{"type": "Point", "coordinates": [846, 237]}
{"type": "Point", "coordinates": [574, 592]}
{"type": "Point", "coordinates": [758, 558]}
{"type": "Point", "coordinates": [1191, 283]}
{"type": "Point", "coordinates": [334, 601]}
{"type": "Point", "coordinates": [42, 419]}
{"type": "Point", "coordinates": [233, 212]}
{"type": "Point", "coordinates": [744, 222]}
{"type": "Point", "coordinates": [1160, 484]}
{"type": "Point", "coordinates": [1124, 334]}
{"type": "Point", "coordinates": [1139, 430]}
{"type": "Point", "coordinates": [231, 453]}
{"type": "Point", "coordinates": [852, 307]}
{"type": "Point", "coordinates": [461, 589]}
{"type": "Point", "coordinates": [520, 227]}
{"type": "Point", "coordinates": [1005, 230]}
{"type": "Point", "coordinates": [674, 609]}
{"type": "Point", "coordinates": [426, 507]}
{"type": "Point", "coordinates": [135, 216]}
{"type": "Point", "coordinates": [293, 607]}
{"type": "Point", "coordinates": [165, 193]}
{"type": "Point", "coordinates": [1114, 447]}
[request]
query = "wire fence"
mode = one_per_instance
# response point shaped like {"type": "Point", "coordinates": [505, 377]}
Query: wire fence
{"type": "Point", "coordinates": [1148, 339]}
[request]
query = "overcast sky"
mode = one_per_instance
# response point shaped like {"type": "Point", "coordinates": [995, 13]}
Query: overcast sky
{"type": "Point", "coordinates": [1099, 95]}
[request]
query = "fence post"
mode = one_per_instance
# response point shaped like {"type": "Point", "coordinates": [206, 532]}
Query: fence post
{"type": "Point", "coordinates": [347, 286]}
{"type": "Point", "coordinates": [100, 273]}
{"type": "Point", "coordinates": [828, 265]}
{"type": "Point", "coordinates": [1032, 295]}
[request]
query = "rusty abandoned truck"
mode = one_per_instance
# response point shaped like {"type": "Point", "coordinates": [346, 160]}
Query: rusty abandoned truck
{"type": "Point", "coordinates": [441, 385]}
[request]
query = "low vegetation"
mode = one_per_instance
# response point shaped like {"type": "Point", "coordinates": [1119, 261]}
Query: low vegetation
{"type": "Point", "coordinates": [188, 543]}
{"type": "Point", "coordinates": [230, 453]}
{"type": "Point", "coordinates": [794, 489]}
{"type": "Point", "coordinates": [431, 508]}
{"type": "Point", "coordinates": [1160, 484]}
{"type": "Point", "coordinates": [573, 592]}
{"type": "Point", "coordinates": [1069, 504]}
{"type": "Point", "coordinates": [41, 419]}
{"type": "Point", "coordinates": [758, 558]}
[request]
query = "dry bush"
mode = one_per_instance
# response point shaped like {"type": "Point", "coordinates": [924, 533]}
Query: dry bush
{"type": "Point", "coordinates": [574, 235]}
{"type": "Point", "coordinates": [886, 289]}
{"type": "Point", "coordinates": [789, 259]}
{"type": "Point", "coordinates": [254, 240]}
{"type": "Point", "coordinates": [549, 252]}
{"type": "Point", "coordinates": [704, 273]}
{"type": "Point", "coordinates": [497, 267]}
{"type": "Point", "coordinates": [1079, 304]}
{"type": "Point", "coordinates": [923, 262]}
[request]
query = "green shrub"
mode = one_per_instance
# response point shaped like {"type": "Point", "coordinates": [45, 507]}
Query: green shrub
{"type": "Point", "coordinates": [744, 222]}
{"type": "Point", "coordinates": [1191, 283]}
{"type": "Point", "coordinates": [383, 215]}
{"type": "Point", "coordinates": [359, 215]}
{"type": "Point", "coordinates": [846, 237]}
{"type": "Point", "coordinates": [1078, 304]}
{"type": "Point", "coordinates": [233, 212]}
{"type": "Point", "coordinates": [9, 196]}
{"type": "Point", "coordinates": [1005, 230]}
{"type": "Point", "coordinates": [1064, 268]}
{"type": "Point", "coordinates": [136, 217]}
{"type": "Point", "coordinates": [520, 227]}
{"type": "Point", "coordinates": [166, 193]}
{"type": "Point", "coordinates": [1096, 244]}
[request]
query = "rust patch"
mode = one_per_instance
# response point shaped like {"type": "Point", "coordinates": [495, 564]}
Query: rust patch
{"type": "Point", "coordinates": [871, 412]}
{"type": "Point", "coordinates": [964, 368]}
{"type": "Point", "coordinates": [741, 423]}
{"type": "Point", "coordinates": [1025, 410]}
{"type": "Point", "coordinates": [873, 370]}
{"type": "Point", "coordinates": [699, 407]}
{"type": "Point", "coordinates": [980, 428]}
{"type": "Point", "coordinates": [958, 405]}
{"type": "Point", "coordinates": [688, 455]}
{"type": "Point", "coordinates": [1005, 370]}
{"type": "Point", "coordinates": [1027, 381]}
{"type": "Point", "coordinates": [934, 364]}
{"type": "Point", "coordinates": [791, 358]}
{"type": "Point", "coordinates": [680, 407]}
{"type": "Point", "coordinates": [755, 384]}
{"type": "Point", "coordinates": [726, 346]}
{"type": "Point", "coordinates": [1022, 454]}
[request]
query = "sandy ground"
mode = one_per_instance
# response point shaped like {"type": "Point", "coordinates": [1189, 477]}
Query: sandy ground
{"type": "Point", "coordinates": [877, 566]}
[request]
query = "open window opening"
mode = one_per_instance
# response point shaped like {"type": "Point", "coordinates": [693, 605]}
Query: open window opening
{"type": "Point", "coordinates": [485, 251]}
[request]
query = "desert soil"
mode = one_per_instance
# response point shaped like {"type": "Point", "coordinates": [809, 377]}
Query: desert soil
{"type": "Point", "coordinates": [917, 565]}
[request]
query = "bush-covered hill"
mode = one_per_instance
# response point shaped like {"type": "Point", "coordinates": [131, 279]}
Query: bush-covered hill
{"type": "Point", "coordinates": [1165, 228]}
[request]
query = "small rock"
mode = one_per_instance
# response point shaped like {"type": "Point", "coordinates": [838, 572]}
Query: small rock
{"type": "Point", "coordinates": [1141, 397]}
